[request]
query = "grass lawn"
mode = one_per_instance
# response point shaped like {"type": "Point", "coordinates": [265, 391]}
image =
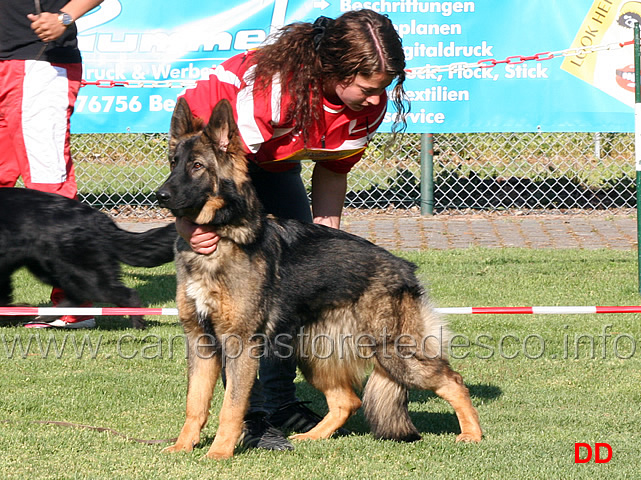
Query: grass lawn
{"type": "Point", "coordinates": [540, 383]}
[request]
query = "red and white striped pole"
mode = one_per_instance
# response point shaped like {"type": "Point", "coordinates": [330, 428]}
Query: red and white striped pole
{"type": "Point", "coordinates": [537, 310]}
{"type": "Point", "coordinates": [543, 310]}
{"type": "Point", "coordinates": [92, 311]}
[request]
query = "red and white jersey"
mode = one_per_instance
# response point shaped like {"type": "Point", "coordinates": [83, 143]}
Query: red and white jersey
{"type": "Point", "coordinates": [339, 140]}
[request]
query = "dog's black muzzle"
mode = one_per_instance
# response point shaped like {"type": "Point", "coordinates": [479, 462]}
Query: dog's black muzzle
{"type": "Point", "coordinates": [163, 195]}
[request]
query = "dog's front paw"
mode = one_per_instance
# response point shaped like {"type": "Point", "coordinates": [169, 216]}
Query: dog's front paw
{"type": "Point", "coordinates": [469, 437]}
{"type": "Point", "coordinates": [138, 322]}
{"type": "Point", "coordinates": [307, 436]}
{"type": "Point", "coordinates": [180, 446]}
{"type": "Point", "coordinates": [220, 454]}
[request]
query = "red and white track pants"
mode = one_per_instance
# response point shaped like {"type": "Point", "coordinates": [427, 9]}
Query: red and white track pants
{"type": "Point", "coordinates": [36, 103]}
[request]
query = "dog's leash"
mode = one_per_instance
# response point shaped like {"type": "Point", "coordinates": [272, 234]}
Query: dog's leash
{"type": "Point", "coordinates": [98, 429]}
{"type": "Point", "coordinates": [38, 8]}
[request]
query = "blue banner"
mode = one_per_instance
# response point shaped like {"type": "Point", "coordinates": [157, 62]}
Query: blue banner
{"type": "Point", "coordinates": [139, 56]}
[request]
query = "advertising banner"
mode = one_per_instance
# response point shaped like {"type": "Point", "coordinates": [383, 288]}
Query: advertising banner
{"type": "Point", "coordinates": [139, 56]}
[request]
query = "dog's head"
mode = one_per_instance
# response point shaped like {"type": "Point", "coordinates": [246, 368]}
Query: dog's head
{"type": "Point", "coordinates": [209, 183]}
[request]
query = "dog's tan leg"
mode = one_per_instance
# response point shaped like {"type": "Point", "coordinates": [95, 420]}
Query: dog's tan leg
{"type": "Point", "coordinates": [342, 403]}
{"type": "Point", "coordinates": [241, 374]}
{"type": "Point", "coordinates": [203, 374]}
{"type": "Point", "coordinates": [456, 393]}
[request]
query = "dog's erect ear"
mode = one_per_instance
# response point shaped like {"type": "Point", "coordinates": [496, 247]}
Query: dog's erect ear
{"type": "Point", "coordinates": [182, 120]}
{"type": "Point", "coordinates": [183, 123]}
{"type": "Point", "coordinates": [221, 129]}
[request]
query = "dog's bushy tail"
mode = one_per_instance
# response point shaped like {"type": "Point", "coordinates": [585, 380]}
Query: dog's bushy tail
{"type": "Point", "coordinates": [399, 368]}
{"type": "Point", "coordinates": [146, 249]}
{"type": "Point", "coordinates": [385, 408]}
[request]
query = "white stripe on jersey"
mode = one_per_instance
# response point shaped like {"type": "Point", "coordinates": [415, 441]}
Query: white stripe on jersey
{"type": "Point", "coordinates": [226, 76]}
{"type": "Point", "coordinates": [276, 98]}
{"type": "Point", "coordinates": [245, 107]}
{"type": "Point", "coordinates": [246, 119]}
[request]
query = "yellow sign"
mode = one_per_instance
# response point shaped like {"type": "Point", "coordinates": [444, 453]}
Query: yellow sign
{"type": "Point", "coordinates": [608, 22]}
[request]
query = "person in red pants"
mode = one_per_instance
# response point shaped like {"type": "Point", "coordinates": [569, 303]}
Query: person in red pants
{"type": "Point", "coordinates": [40, 75]}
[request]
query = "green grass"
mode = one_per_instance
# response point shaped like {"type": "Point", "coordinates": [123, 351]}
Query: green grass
{"type": "Point", "coordinates": [539, 384]}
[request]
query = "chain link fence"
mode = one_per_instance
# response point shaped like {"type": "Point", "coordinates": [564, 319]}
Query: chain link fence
{"type": "Point", "coordinates": [524, 172]}
{"type": "Point", "coordinates": [534, 171]}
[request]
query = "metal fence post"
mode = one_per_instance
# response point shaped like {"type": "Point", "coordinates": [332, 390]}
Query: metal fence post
{"type": "Point", "coordinates": [427, 174]}
{"type": "Point", "coordinates": [637, 140]}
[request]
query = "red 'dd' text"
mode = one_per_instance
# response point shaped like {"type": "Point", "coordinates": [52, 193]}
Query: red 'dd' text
{"type": "Point", "coordinates": [584, 452]}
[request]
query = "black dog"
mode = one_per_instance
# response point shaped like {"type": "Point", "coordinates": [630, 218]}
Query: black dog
{"type": "Point", "coordinates": [74, 247]}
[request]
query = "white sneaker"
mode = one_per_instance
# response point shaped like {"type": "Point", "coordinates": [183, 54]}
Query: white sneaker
{"type": "Point", "coordinates": [63, 322]}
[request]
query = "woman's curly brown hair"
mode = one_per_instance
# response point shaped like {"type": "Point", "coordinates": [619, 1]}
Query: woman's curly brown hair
{"type": "Point", "coordinates": [304, 55]}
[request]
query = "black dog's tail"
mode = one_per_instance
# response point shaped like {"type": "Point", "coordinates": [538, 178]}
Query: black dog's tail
{"type": "Point", "coordinates": [147, 249]}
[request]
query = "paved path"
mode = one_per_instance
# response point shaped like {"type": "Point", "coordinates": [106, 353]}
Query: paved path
{"type": "Point", "coordinates": [413, 232]}
{"type": "Point", "coordinates": [497, 231]}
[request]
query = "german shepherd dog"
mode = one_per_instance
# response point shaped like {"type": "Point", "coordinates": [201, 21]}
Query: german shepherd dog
{"type": "Point", "coordinates": [74, 247]}
{"type": "Point", "coordinates": [345, 303]}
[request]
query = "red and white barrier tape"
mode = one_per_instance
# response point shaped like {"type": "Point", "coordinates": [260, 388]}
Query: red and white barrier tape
{"type": "Point", "coordinates": [538, 310]}
{"type": "Point", "coordinates": [94, 311]}
{"type": "Point", "coordinates": [425, 70]}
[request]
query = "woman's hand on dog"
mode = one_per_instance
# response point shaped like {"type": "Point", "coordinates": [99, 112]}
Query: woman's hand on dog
{"type": "Point", "coordinates": [201, 238]}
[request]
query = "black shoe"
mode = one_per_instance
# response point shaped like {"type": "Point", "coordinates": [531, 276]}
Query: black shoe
{"type": "Point", "coordinates": [296, 417]}
{"type": "Point", "coordinates": [259, 433]}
